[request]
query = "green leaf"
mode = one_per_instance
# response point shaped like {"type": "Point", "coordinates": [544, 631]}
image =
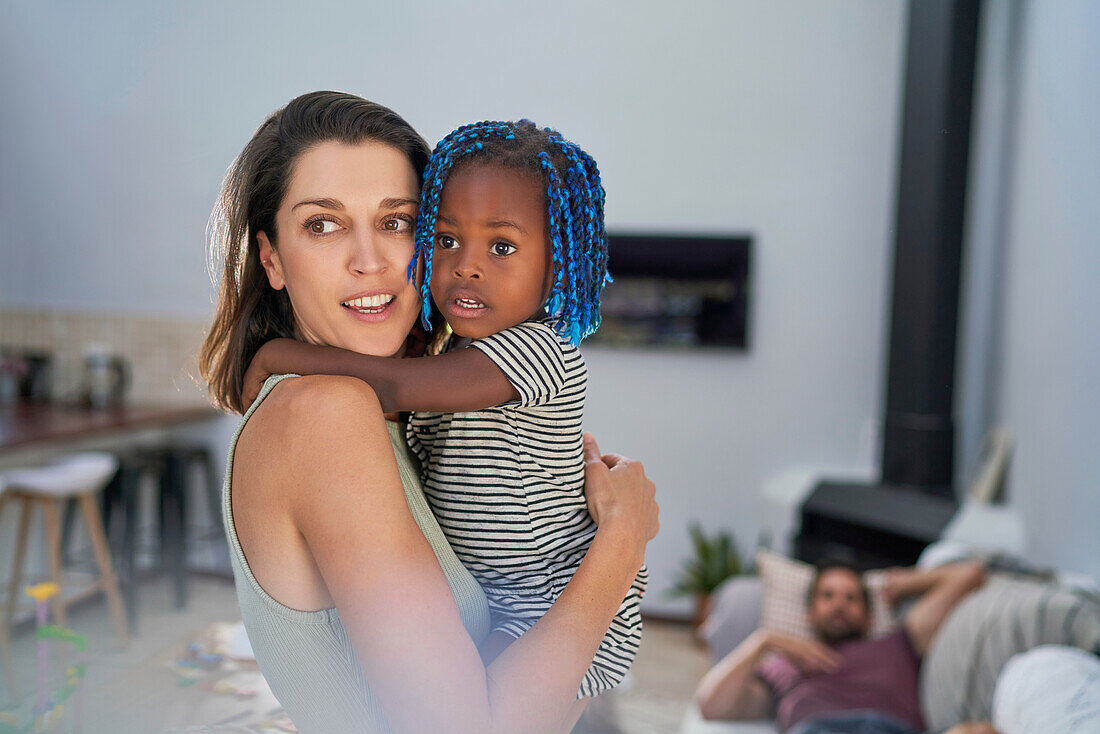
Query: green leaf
{"type": "Point", "coordinates": [713, 561]}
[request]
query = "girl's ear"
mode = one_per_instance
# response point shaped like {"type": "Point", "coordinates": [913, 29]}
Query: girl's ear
{"type": "Point", "coordinates": [269, 258]}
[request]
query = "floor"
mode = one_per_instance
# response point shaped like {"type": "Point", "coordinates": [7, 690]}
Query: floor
{"type": "Point", "coordinates": [662, 682]}
{"type": "Point", "coordinates": [144, 687]}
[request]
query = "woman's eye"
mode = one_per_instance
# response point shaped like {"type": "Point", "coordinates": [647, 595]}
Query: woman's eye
{"type": "Point", "coordinates": [322, 226]}
{"type": "Point", "coordinates": [397, 224]}
{"type": "Point", "coordinates": [445, 242]}
{"type": "Point", "coordinates": [503, 248]}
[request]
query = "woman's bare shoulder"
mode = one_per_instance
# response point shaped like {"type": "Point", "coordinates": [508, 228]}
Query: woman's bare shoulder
{"type": "Point", "coordinates": [322, 395]}
{"type": "Point", "coordinates": [305, 419]}
{"type": "Point", "coordinates": [288, 465]}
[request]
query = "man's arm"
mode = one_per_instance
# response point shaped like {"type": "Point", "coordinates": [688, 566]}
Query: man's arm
{"type": "Point", "coordinates": [731, 690]}
{"type": "Point", "coordinates": [940, 590]}
{"type": "Point", "coordinates": [459, 381]}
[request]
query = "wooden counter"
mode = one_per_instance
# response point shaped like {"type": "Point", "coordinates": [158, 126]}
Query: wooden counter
{"type": "Point", "coordinates": [30, 426]}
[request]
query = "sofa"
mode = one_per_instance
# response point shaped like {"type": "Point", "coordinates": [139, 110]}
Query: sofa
{"type": "Point", "coordinates": [1010, 614]}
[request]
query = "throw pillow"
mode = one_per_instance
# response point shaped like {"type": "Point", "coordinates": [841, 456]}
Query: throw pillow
{"type": "Point", "coordinates": [786, 584]}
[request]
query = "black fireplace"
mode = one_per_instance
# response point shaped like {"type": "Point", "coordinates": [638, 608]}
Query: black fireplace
{"type": "Point", "coordinates": [891, 521]}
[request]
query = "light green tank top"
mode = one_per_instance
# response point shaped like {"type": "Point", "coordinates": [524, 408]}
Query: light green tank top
{"type": "Point", "coordinates": [306, 657]}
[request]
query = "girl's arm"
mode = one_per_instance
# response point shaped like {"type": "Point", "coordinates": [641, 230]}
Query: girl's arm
{"type": "Point", "coordinates": [348, 504]}
{"type": "Point", "coordinates": [454, 382]}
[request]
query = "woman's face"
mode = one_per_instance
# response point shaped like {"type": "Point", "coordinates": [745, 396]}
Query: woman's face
{"type": "Point", "coordinates": [345, 239]}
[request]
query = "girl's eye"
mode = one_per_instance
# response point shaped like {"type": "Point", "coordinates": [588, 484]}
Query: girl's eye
{"type": "Point", "coordinates": [446, 243]}
{"type": "Point", "coordinates": [503, 249]}
{"type": "Point", "coordinates": [321, 226]}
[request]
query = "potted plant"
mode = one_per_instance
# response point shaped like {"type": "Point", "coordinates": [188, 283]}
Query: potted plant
{"type": "Point", "coordinates": [715, 559]}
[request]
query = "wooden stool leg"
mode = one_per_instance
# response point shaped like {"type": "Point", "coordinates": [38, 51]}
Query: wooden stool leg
{"type": "Point", "coordinates": [14, 592]}
{"type": "Point", "coordinates": [52, 522]}
{"type": "Point", "coordinates": [5, 651]}
{"type": "Point", "coordinates": [103, 560]}
{"type": "Point", "coordinates": [9, 668]}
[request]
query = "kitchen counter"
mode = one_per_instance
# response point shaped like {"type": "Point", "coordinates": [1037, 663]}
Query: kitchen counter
{"type": "Point", "coordinates": [33, 426]}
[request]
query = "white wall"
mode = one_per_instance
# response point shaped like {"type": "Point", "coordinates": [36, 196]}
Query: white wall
{"type": "Point", "coordinates": [1048, 374]}
{"type": "Point", "coordinates": [775, 118]}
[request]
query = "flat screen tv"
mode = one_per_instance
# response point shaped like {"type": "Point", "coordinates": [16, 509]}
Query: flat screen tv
{"type": "Point", "coordinates": [678, 291]}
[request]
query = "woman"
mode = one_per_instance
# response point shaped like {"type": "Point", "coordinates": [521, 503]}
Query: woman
{"type": "Point", "coordinates": [360, 616]}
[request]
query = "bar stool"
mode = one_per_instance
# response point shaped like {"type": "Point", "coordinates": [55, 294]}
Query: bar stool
{"type": "Point", "coordinates": [123, 496]}
{"type": "Point", "coordinates": [184, 459]}
{"type": "Point", "coordinates": [79, 477]}
{"type": "Point", "coordinates": [170, 469]}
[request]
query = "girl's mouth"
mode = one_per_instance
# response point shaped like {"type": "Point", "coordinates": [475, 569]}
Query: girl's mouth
{"type": "Point", "coordinates": [466, 307]}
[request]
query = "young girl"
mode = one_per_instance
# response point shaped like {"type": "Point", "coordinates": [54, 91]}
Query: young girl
{"type": "Point", "coordinates": [511, 237]}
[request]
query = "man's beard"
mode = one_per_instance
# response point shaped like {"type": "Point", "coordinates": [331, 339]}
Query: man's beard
{"type": "Point", "coordinates": [833, 637]}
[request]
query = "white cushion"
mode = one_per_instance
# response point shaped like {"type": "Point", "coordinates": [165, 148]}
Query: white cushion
{"type": "Point", "coordinates": [694, 723]}
{"type": "Point", "coordinates": [988, 527]}
{"type": "Point", "coordinates": [70, 475]}
{"type": "Point", "coordinates": [1050, 688]}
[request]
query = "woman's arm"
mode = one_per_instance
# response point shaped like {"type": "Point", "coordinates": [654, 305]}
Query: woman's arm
{"type": "Point", "coordinates": [454, 382]}
{"type": "Point", "coordinates": [348, 504]}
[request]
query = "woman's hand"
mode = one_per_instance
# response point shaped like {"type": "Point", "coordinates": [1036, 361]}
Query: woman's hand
{"type": "Point", "coordinates": [619, 494]}
{"type": "Point", "coordinates": [388, 585]}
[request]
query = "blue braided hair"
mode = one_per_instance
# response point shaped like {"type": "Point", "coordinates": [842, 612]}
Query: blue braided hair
{"type": "Point", "coordinates": [574, 213]}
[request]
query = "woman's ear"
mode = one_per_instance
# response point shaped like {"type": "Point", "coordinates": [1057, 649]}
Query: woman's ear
{"type": "Point", "coordinates": [269, 258]}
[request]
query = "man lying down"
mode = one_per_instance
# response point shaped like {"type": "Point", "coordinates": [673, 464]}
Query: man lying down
{"type": "Point", "coordinates": [843, 682]}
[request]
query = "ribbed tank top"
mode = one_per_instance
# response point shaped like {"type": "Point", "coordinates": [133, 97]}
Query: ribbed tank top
{"type": "Point", "coordinates": [307, 657]}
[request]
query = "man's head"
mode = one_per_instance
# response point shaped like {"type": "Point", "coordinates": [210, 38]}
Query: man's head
{"type": "Point", "coordinates": [838, 604]}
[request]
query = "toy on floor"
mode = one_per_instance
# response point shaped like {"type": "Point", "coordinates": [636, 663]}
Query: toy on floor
{"type": "Point", "coordinates": [50, 705]}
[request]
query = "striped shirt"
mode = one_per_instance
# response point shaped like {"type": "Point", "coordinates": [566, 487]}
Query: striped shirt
{"type": "Point", "coordinates": [507, 487]}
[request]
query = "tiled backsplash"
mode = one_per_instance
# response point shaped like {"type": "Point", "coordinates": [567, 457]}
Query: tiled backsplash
{"type": "Point", "coordinates": [162, 352]}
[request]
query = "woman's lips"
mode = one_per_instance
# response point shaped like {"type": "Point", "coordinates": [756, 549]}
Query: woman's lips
{"type": "Point", "coordinates": [370, 309]}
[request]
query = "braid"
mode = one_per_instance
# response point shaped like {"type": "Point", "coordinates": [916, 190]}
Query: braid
{"type": "Point", "coordinates": [556, 211]}
{"type": "Point", "coordinates": [574, 213]}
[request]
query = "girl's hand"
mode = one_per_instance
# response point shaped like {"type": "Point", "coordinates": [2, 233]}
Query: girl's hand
{"type": "Point", "coordinates": [416, 344]}
{"type": "Point", "coordinates": [259, 369]}
{"type": "Point", "coordinates": [619, 494]}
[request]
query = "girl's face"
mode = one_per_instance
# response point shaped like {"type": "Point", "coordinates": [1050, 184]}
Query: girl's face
{"type": "Point", "coordinates": [345, 239]}
{"type": "Point", "coordinates": [491, 264]}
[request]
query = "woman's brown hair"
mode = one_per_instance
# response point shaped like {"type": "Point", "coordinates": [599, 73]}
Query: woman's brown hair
{"type": "Point", "coordinates": [249, 311]}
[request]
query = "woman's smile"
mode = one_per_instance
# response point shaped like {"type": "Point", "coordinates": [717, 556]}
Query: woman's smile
{"type": "Point", "coordinates": [371, 307]}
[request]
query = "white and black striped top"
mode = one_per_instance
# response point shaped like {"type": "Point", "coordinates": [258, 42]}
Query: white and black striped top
{"type": "Point", "coordinates": [507, 487]}
{"type": "Point", "coordinates": [507, 483]}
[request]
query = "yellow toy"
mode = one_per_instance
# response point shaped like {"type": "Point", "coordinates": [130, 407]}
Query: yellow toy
{"type": "Point", "coordinates": [49, 710]}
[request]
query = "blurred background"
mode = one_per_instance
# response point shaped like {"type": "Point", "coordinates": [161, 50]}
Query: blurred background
{"type": "Point", "coordinates": [780, 121]}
